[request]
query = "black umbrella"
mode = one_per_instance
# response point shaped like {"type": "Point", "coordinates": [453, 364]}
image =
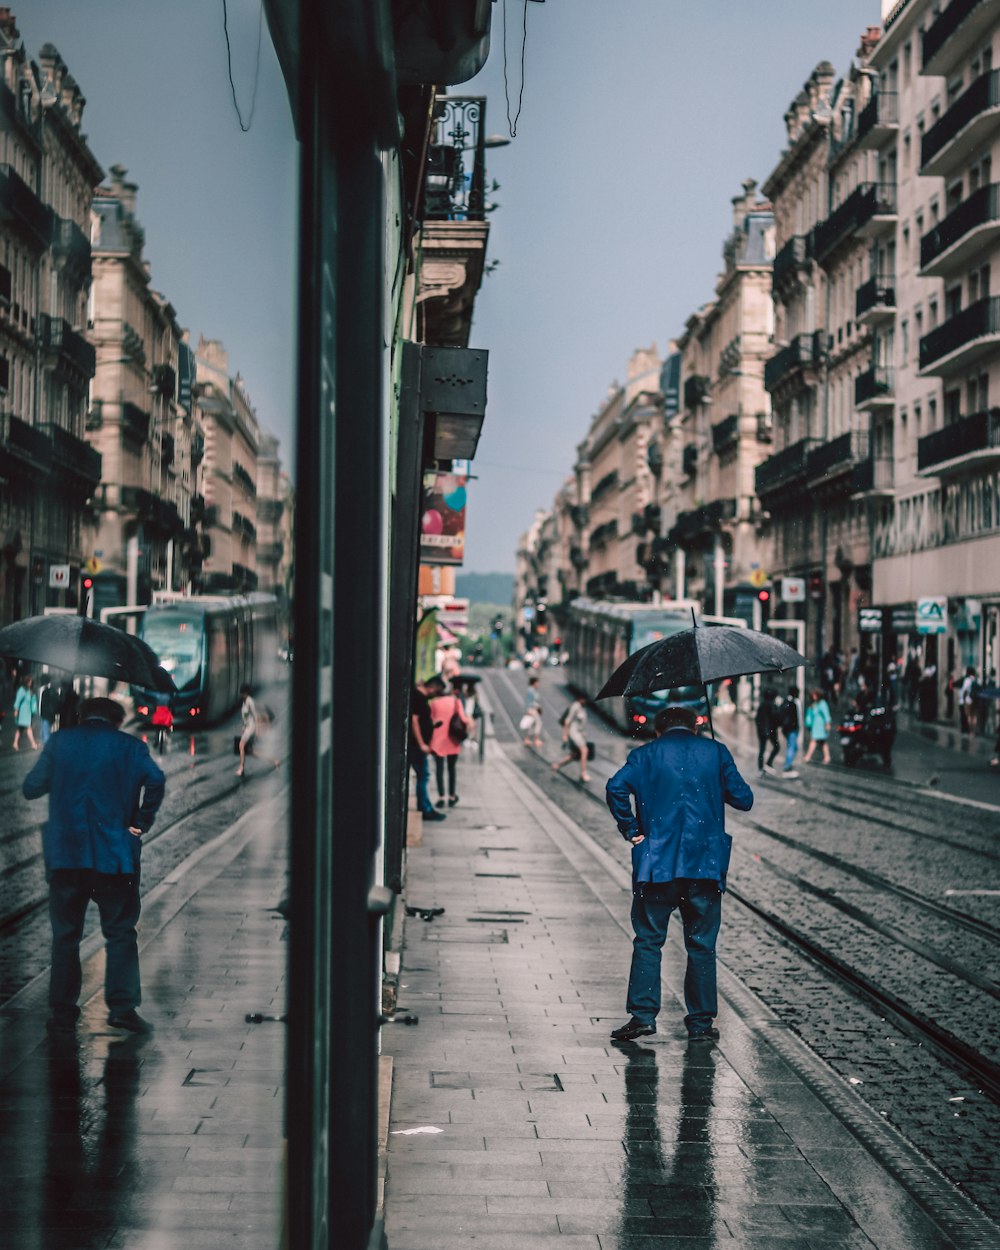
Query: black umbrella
{"type": "Point", "coordinates": [698, 656]}
{"type": "Point", "coordinates": [84, 647]}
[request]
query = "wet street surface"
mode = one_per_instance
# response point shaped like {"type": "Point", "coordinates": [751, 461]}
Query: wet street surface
{"type": "Point", "coordinates": [118, 1142]}
{"type": "Point", "coordinates": [863, 913]}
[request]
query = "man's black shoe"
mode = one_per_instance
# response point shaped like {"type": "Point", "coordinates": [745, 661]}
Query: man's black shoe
{"type": "Point", "coordinates": [433, 815]}
{"type": "Point", "coordinates": [635, 1028]}
{"type": "Point", "coordinates": [130, 1020]}
{"type": "Point", "coordinates": [704, 1035]}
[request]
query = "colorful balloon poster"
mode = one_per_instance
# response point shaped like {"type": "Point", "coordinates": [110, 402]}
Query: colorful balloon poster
{"type": "Point", "coordinates": [442, 521]}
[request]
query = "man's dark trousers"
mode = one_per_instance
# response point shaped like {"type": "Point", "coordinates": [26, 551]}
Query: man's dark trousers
{"type": "Point", "coordinates": [117, 899]}
{"type": "Point", "coordinates": [700, 904]}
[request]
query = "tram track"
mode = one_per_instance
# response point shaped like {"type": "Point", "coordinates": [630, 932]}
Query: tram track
{"type": "Point", "coordinates": [906, 1015]}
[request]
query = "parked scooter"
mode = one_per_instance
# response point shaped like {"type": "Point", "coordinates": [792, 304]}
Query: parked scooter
{"type": "Point", "coordinates": [871, 730]}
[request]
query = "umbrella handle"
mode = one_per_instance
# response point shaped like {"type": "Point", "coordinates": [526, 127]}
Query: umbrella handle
{"type": "Point", "coordinates": [708, 705]}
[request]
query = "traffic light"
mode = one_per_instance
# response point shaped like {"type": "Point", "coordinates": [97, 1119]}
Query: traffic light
{"type": "Point", "coordinates": [86, 590]}
{"type": "Point", "coordinates": [764, 599]}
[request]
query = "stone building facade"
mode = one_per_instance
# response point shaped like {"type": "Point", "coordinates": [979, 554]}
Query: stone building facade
{"type": "Point", "coordinates": [48, 473]}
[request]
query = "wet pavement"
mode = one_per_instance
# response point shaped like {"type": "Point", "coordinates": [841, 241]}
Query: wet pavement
{"type": "Point", "coordinates": [175, 1141]}
{"type": "Point", "coordinates": [515, 1121]}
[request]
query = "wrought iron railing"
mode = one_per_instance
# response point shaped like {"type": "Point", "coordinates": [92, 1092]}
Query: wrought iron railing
{"type": "Point", "coordinates": [882, 110]}
{"type": "Point", "coordinates": [868, 200]}
{"type": "Point", "coordinates": [784, 467]}
{"type": "Point", "coordinates": [725, 432]}
{"type": "Point", "coordinates": [135, 421]}
{"type": "Point", "coordinates": [940, 31]}
{"type": "Point", "coordinates": [978, 432]}
{"type": "Point", "coordinates": [70, 243]}
{"type": "Point", "coordinates": [983, 94]}
{"type": "Point", "coordinates": [981, 207]}
{"type": "Point", "coordinates": [877, 292]}
{"type": "Point", "coordinates": [976, 321]}
{"type": "Point", "coordinates": [791, 256]}
{"type": "Point", "coordinates": [25, 442]}
{"type": "Point", "coordinates": [837, 454]}
{"type": "Point", "coordinates": [696, 390]}
{"type": "Point", "coordinates": [875, 383]}
{"type": "Point", "coordinates": [455, 178]}
{"type": "Point", "coordinates": [19, 201]}
{"type": "Point", "coordinates": [802, 352]}
{"type": "Point", "coordinates": [689, 460]}
{"type": "Point", "coordinates": [58, 335]}
{"type": "Point", "coordinates": [75, 454]}
{"type": "Point", "coordinates": [703, 520]}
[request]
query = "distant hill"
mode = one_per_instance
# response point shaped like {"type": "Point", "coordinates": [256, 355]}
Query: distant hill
{"type": "Point", "coordinates": [485, 587]}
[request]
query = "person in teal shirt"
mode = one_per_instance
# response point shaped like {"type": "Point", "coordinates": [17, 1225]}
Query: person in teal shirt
{"type": "Point", "coordinates": [818, 721]}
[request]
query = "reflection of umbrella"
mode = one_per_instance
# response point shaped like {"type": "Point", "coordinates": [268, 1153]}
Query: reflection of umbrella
{"type": "Point", "coordinates": [79, 645]}
{"type": "Point", "coordinates": [698, 656]}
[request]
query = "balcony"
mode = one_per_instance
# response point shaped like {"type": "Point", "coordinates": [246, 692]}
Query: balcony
{"type": "Point", "coordinates": [725, 434]}
{"type": "Point", "coordinates": [603, 534]}
{"type": "Point", "coordinates": [78, 462]}
{"type": "Point", "coordinates": [5, 286]}
{"type": "Point", "coordinates": [963, 235]}
{"type": "Point", "coordinates": [689, 460]}
{"type": "Point", "coordinates": [837, 457]}
{"type": "Point", "coordinates": [59, 338]}
{"type": "Point", "coordinates": [962, 339]}
{"type": "Point", "coordinates": [21, 206]}
{"type": "Point", "coordinates": [703, 521]}
{"type": "Point", "coordinates": [455, 177]}
{"type": "Point", "coordinates": [135, 422]}
{"type": "Point", "coordinates": [879, 120]}
{"type": "Point", "coordinates": [270, 511]}
{"type": "Point", "coordinates": [71, 246]}
{"type": "Point", "coordinates": [25, 451]}
{"type": "Point", "coordinates": [607, 482]}
{"type": "Point", "coordinates": [197, 449]}
{"type": "Point", "coordinates": [165, 381]}
{"type": "Point", "coordinates": [869, 211]}
{"type": "Point", "coordinates": [785, 470]}
{"type": "Point", "coordinates": [270, 553]}
{"type": "Point", "coordinates": [242, 476]}
{"type": "Point", "coordinates": [788, 261]}
{"type": "Point", "coordinates": [874, 388]}
{"type": "Point", "coordinates": [197, 509]}
{"type": "Point", "coordinates": [875, 300]}
{"type": "Point", "coordinates": [803, 352]}
{"type": "Point", "coordinates": [945, 148]}
{"type": "Point", "coordinates": [873, 478]}
{"type": "Point", "coordinates": [696, 390]}
{"type": "Point", "coordinates": [954, 34]}
{"type": "Point", "coordinates": [972, 442]}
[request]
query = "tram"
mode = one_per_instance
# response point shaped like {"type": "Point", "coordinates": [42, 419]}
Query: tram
{"type": "Point", "coordinates": [211, 645]}
{"type": "Point", "coordinates": [601, 635]}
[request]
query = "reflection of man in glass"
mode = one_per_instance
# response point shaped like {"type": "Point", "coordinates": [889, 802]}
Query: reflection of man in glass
{"type": "Point", "coordinates": [680, 857]}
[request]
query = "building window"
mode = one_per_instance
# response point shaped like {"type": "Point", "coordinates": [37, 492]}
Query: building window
{"type": "Point", "coordinates": [952, 406]}
{"type": "Point", "coordinates": [932, 314]}
{"type": "Point", "coordinates": [904, 341]}
{"type": "Point", "coordinates": [907, 61]}
{"type": "Point", "coordinates": [952, 302]}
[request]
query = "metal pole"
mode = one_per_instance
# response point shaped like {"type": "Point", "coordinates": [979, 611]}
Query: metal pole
{"type": "Point", "coordinates": [719, 565]}
{"type": "Point", "coordinates": [680, 582]}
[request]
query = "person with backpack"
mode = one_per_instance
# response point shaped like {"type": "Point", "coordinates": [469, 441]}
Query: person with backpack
{"type": "Point", "coordinates": [451, 728]}
{"type": "Point", "coordinates": [766, 721]}
{"type": "Point", "coordinates": [791, 723]}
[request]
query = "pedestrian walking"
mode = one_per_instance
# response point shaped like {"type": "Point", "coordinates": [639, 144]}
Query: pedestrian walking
{"type": "Point", "coordinates": [911, 676]}
{"type": "Point", "coordinates": [791, 724]}
{"type": "Point", "coordinates": [104, 792]}
{"type": "Point", "coordinates": [25, 711]}
{"type": "Point", "coordinates": [574, 736]}
{"type": "Point", "coordinates": [49, 699]}
{"type": "Point", "coordinates": [451, 728]}
{"type": "Point", "coordinates": [253, 723]}
{"type": "Point", "coordinates": [927, 693]}
{"type": "Point", "coordinates": [419, 736]}
{"type": "Point", "coordinates": [968, 693]}
{"type": "Point", "coordinates": [668, 801]}
{"type": "Point", "coordinates": [766, 720]}
{"type": "Point", "coordinates": [817, 721]}
{"type": "Point", "coordinates": [531, 722]}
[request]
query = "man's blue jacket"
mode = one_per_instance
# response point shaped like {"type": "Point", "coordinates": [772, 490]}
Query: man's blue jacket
{"type": "Point", "coordinates": [680, 783]}
{"type": "Point", "coordinates": [99, 782]}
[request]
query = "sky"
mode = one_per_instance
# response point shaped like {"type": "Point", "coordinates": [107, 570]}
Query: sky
{"type": "Point", "coordinates": [640, 120]}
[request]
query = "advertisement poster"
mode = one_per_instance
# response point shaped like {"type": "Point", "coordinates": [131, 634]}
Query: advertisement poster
{"type": "Point", "coordinates": [442, 522]}
{"type": "Point", "coordinates": [426, 646]}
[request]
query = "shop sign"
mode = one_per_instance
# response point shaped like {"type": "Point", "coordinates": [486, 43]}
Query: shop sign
{"type": "Point", "coordinates": [932, 615]}
{"type": "Point", "coordinates": [870, 620]}
{"type": "Point", "coordinates": [903, 620]}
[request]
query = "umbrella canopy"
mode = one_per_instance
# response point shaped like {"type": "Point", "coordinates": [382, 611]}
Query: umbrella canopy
{"type": "Point", "coordinates": [86, 648]}
{"type": "Point", "coordinates": [700, 655]}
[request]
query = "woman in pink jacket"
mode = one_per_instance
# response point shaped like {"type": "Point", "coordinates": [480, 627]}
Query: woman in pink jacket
{"type": "Point", "coordinates": [451, 728]}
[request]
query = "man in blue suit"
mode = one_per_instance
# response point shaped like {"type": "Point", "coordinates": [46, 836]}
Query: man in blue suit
{"type": "Point", "coordinates": [680, 857]}
{"type": "Point", "coordinates": [104, 792]}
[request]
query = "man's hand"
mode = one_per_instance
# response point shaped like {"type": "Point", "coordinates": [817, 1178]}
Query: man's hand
{"type": "Point", "coordinates": [135, 831]}
{"type": "Point", "coordinates": [639, 837]}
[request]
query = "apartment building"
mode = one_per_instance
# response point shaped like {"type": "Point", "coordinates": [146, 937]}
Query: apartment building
{"type": "Point", "coordinates": [270, 512]}
{"type": "Point", "coordinates": [937, 538]}
{"type": "Point", "coordinates": [722, 430]}
{"type": "Point", "coordinates": [48, 473]}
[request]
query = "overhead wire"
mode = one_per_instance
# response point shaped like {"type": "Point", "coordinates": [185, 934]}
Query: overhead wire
{"type": "Point", "coordinates": [244, 126]}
